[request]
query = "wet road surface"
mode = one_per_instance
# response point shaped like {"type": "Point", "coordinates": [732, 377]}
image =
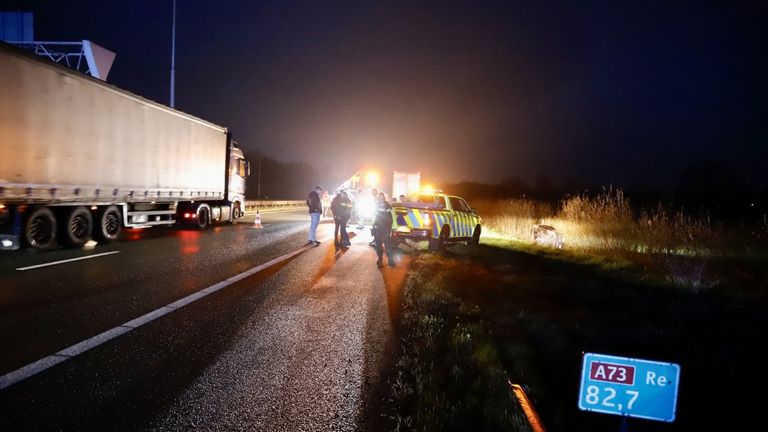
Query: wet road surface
{"type": "Point", "coordinates": [294, 347]}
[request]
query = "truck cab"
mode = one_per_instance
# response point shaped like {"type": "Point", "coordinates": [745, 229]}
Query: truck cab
{"type": "Point", "coordinates": [437, 218]}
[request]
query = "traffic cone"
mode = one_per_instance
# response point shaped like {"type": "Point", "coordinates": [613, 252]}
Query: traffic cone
{"type": "Point", "coordinates": [257, 221]}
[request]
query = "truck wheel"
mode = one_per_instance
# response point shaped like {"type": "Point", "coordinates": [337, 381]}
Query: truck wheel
{"type": "Point", "coordinates": [40, 228]}
{"type": "Point", "coordinates": [77, 227]}
{"type": "Point", "coordinates": [108, 224]}
{"type": "Point", "coordinates": [236, 212]}
{"type": "Point", "coordinates": [203, 218]}
{"type": "Point", "coordinates": [475, 236]}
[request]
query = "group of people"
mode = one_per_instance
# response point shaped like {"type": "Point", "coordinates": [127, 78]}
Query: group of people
{"type": "Point", "coordinates": [341, 208]}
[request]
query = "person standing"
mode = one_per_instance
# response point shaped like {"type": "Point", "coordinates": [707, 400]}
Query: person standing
{"type": "Point", "coordinates": [374, 200]}
{"type": "Point", "coordinates": [382, 231]}
{"type": "Point", "coordinates": [345, 213]}
{"type": "Point", "coordinates": [336, 212]}
{"type": "Point", "coordinates": [315, 210]}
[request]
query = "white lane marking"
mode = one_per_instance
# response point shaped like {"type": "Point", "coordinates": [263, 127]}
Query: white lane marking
{"type": "Point", "coordinates": [66, 261]}
{"type": "Point", "coordinates": [38, 366]}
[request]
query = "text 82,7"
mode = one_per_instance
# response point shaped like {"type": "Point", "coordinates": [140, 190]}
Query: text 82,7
{"type": "Point", "coordinates": [595, 397]}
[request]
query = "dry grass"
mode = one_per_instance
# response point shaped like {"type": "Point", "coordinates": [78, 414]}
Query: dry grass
{"type": "Point", "coordinates": [605, 222]}
{"type": "Point", "coordinates": [673, 245]}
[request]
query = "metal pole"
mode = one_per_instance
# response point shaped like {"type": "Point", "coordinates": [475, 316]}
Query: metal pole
{"type": "Point", "coordinates": [173, 57]}
{"type": "Point", "coordinates": [624, 427]}
{"type": "Point", "coordinates": [258, 192]}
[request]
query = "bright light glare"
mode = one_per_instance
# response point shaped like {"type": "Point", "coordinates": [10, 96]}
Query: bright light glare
{"type": "Point", "coordinates": [428, 189]}
{"type": "Point", "coordinates": [372, 178]}
{"type": "Point", "coordinates": [7, 243]}
{"type": "Point", "coordinates": [366, 208]}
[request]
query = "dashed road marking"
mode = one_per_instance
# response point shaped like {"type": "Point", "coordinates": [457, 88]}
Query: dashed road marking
{"type": "Point", "coordinates": [38, 366]}
{"type": "Point", "coordinates": [66, 261]}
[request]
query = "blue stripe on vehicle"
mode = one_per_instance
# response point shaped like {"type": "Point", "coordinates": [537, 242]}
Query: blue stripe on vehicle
{"type": "Point", "coordinates": [469, 226]}
{"type": "Point", "coordinates": [412, 218]}
{"type": "Point", "coordinates": [466, 218]}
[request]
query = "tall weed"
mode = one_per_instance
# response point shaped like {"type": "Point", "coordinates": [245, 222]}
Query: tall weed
{"type": "Point", "coordinates": [607, 224]}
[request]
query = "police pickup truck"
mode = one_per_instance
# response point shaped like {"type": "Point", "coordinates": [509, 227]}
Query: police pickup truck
{"type": "Point", "coordinates": [437, 218]}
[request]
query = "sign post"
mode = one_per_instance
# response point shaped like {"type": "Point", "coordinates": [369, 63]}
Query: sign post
{"type": "Point", "coordinates": [629, 387]}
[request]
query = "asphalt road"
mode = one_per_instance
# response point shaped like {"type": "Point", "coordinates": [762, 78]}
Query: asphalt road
{"type": "Point", "coordinates": [293, 347]}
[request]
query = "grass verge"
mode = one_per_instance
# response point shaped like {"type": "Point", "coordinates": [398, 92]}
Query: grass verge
{"type": "Point", "coordinates": [474, 316]}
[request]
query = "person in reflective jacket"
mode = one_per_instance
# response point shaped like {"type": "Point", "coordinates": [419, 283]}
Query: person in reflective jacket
{"type": "Point", "coordinates": [341, 206]}
{"type": "Point", "coordinates": [382, 231]}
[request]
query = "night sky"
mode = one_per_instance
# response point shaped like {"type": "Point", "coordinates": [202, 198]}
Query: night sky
{"type": "Point", "coordinates": [600, 92]}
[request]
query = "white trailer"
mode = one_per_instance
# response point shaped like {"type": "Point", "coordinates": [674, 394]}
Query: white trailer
{"type": "Point", "coordinates": [405, 183]}
{"type": "Point", "coordinates": [82, 158]}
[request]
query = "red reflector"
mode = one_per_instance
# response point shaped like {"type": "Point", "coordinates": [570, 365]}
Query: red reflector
{"type": "Point", "coordinates": [187, 215]}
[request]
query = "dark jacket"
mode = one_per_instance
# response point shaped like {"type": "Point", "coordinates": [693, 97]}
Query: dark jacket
{"type": "Point", "coordinates": [383, 220]}
{"type": "Point", "coordinates": [314, 204]}
{"type": "Point", "coordinates": [345, 208]}
{"type": "Point", "coordinates": [336, 206]}
{"type": "Point", "coordinates": [341, 207]}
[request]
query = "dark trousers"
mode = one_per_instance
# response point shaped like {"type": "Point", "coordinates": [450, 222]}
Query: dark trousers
{"type": "Point", "coordinates": [382, 240]}
{"type": "Point", "coordinates": [340, 230]}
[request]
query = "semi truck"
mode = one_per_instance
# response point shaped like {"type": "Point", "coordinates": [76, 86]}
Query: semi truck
{"type": "Point", "coordinates": [81, 159]}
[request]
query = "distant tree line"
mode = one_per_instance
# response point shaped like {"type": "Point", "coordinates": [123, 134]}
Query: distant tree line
{"type": "Point", "coordinates": [286, 180]}
{"type": "Point", "coordinates": [708, 187]}
{"type": "Point", "coordinates": [272, 179]}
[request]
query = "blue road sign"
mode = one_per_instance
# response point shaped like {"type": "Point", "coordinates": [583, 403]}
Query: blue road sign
{"type": "Point", "coordinates": [629, 387]}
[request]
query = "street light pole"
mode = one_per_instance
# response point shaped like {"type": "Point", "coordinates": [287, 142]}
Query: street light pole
{"type": "Point", "coordinates": [173, 57]}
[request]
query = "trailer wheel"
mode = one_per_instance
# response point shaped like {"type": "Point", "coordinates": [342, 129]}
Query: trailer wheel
{"type": "Point", "coordinates": [77, 227]}
{"type": "Point", "coordinates": [203, 217]}
{"type": "Point", "coordinates": [40, 228]}
{"type": "Point", "coordinates": [108, 224]}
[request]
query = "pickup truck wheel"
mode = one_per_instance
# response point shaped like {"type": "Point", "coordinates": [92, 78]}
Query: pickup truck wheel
{"type": "Point", "coordinates": [475, 236]}
{"type": "Point", "coordinates": [108, 224]}
{"type": "Point", "coordinates": [40, 228]}
{"type": "Point", "coordinates": [203, 218]}
{"type": "Point", "coordinates": [442, 240]}
{"type": "Point", "coordinates": [77, 227]}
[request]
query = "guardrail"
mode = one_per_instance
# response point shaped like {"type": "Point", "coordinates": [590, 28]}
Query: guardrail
{"type": "Point", "coordinates": [273, 205]}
